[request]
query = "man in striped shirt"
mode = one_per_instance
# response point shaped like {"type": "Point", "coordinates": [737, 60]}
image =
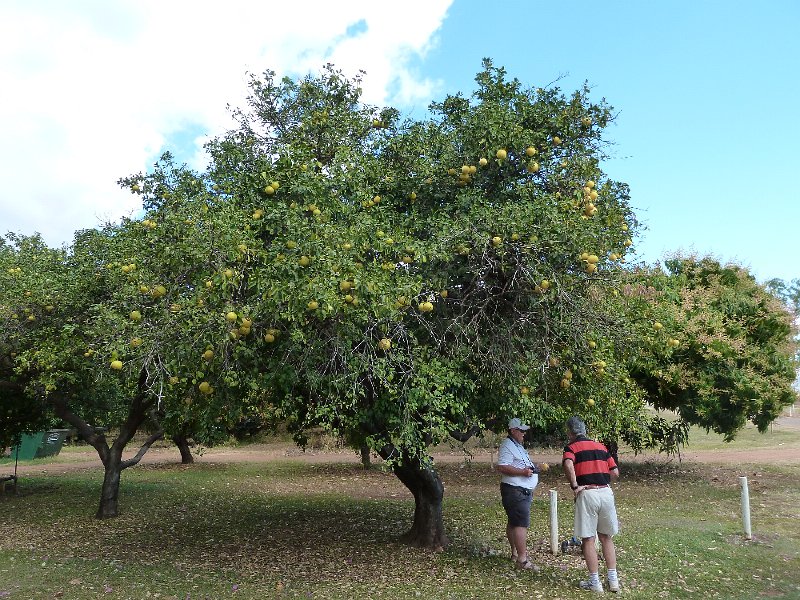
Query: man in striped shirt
{"type": "Point", "coordinates": [589, 468]}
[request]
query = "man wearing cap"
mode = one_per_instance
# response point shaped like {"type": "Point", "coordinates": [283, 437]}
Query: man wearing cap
{"type": "Point", "coordinates": [589, 468]}
{"type": "Point", "coordinates": [520, 477]}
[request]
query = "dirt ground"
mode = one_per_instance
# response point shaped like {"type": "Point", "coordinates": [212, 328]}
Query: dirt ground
{"type": "Point", "coordinates": [85, 458]}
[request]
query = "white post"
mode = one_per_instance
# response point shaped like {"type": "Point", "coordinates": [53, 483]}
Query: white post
{"type": "Point", "coordinates": [748, 534]}
{"type": "Point", "coordinates": [554, 546]}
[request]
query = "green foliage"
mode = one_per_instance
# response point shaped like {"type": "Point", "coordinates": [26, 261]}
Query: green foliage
{"type": "Point", "coordinates": [396, 282]}
{"type": "Point", "coordinates": [719, 347]}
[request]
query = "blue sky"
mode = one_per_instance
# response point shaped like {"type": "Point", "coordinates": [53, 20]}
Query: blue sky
{"type": "Point", "coordinates": [706, 93]}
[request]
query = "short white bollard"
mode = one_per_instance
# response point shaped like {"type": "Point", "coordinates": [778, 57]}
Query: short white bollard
{"type": "Point", "coordinates": [748, 533]}
{"type": "Point", "coordinates": [554, 545]}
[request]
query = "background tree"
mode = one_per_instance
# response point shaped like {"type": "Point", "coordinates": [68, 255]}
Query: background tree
{"type": "Point", "coordinates": [133, 327]}
{"type": "Point", "coordinates": [720, 347]}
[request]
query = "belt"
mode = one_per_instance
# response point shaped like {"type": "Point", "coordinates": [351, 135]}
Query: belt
{"type": "Point", "coordinates": [524, 490]}
{"type": "Point", "coordinates": [594, 487]}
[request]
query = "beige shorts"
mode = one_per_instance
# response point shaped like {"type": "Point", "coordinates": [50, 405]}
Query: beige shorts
{"type": "Point", "coordinates": [595, 513]}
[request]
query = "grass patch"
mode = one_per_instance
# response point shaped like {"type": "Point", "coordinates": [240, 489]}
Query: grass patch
{"type": "Point", "coordinates": [748, 438]}
{"type": "Point", "coordinates": [296, 530]}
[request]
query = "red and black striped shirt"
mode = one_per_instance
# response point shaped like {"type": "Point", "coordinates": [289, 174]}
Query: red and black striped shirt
{"type": "Point", "coordinates": [592, 461]}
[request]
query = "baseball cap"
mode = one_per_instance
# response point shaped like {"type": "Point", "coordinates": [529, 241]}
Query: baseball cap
{"type": "Point", "coordinates": [517, 424]}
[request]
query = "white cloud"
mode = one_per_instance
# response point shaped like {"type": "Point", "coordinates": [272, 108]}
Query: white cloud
{"type": "Point", "coordinates": [92, 90]}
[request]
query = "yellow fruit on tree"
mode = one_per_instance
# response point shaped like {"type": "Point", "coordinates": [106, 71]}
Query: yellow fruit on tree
{"type": "Point", "coordinates": [136, 315]}
{"type": "Point", "coordinates": [483, 162]}
{"type": "Point", "coordinates": [269, 338]}
{"type": "Point", "coordinates": [231, 317]}
{"type": "Point", "coordinates": [313, 305]}
{"type": "Point", "coordinates": [304, 261]}
{"type": "Point", "coordinates": [385, 344]}
{"type": "Point", "coordinates": [497, 240]}
{"type": "Point", "coordinates": [590, 401]}
{"type": "Point", "coordinates": [208, 354]}
{"type": "Point", "coordinates": [426, 306]}
{"type": "Point", "coordinates": [501, 154]}
{"type": "Point", "coordinates": [116, 365]}
{"type": "Point", "coordinates": [205, 387]}
{"type": "Point", "coordinates": [530, 151]}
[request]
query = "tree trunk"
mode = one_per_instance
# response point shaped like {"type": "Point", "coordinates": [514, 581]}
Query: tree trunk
{"type": "Point", "coordinates": [111, 456]}
{"type": "Point", "coordinates": [109, 493]}
{"type": "Point", "coordinates": [183, 445]}
{"type": "Point", "coordinates": [366, 462]}
{"type": "Point", "coordinates": [427, 530]}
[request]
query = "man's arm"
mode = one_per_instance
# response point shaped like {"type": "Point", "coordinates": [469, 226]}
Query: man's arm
{"type": "Point", "coordinates": [614, 473]}
{"type": "Point", "coordinates": [514, 471]}
{"type": "Point", "coordinates": [569, 471]}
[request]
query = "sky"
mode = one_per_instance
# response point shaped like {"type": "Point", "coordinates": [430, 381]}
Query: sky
{"type": "Point", "coordinates": [705, 94]}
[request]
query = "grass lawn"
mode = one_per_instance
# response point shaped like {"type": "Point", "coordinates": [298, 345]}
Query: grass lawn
{"type": "Point", "coordinates": [291, 529]}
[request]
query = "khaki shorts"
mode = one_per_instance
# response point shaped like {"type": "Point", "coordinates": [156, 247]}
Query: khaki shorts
{"type": "Point", "coordinates": [595, 513]}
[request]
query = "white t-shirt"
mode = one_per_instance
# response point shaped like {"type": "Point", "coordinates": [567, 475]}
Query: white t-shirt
{"type": "Point", "coordinates": [512, 453]}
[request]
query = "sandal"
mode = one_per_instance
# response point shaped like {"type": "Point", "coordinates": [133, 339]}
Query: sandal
{"type": "Point", "coordinates": [527, 566]}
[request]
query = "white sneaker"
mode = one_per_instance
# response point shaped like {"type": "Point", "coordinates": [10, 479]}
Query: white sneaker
{"type": "Point", "coordinates": [613, 585]}
{"type": "Point", "coordinates": [591, 587]}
